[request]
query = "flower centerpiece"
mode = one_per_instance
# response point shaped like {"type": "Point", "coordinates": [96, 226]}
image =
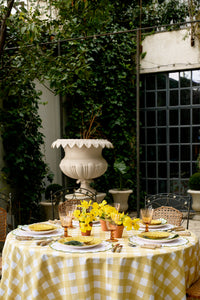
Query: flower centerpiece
{"type": "Point", "coordinates": [123, 220]}
{"type": "Point", "coordinates": [106, 212]}
{"type": "Point", "coordinates": [87, 213]}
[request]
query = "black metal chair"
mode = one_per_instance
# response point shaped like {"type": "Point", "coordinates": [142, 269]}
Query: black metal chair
{"type": "Point", "coordinates": [73, 195]}
{"type": "Point", "coordinates": [179, 202]}
{"type": "Point", "coordinates": [6, 204]}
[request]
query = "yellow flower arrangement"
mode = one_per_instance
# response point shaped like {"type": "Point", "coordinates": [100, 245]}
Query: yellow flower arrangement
{"type": "Point", "coordinates": [105, 210]}
{"type": "Point", "coordinates": [87, 213]}
{"type": "Point", "coordinates": [125, 220]}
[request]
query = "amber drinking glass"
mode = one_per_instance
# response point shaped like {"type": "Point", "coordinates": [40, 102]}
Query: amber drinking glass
{"type": "Point", "coordinates": [111, 226]}
{"type": "Point", "coordinates": [146, 214]}
{"type": "Point", "coordinates": [66, 220]}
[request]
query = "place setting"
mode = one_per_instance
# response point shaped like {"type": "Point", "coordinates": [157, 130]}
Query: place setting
{"type": "Point", "coordinates": [81, 244]}
{"type": "Point", "coordinates": [148, 223]}
{"type": "Point", "coordinates": [153, 235]}
{"type": "Point", "coordinates": [41, 230]}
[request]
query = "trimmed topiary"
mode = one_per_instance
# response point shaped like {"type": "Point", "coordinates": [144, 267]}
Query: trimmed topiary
{"type": "Point", "coordinates": [194, 181]}
{"type": "Point", "coordinates": [52, 187]}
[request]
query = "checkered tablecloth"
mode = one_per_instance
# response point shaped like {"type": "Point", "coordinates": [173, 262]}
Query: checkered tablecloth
{"type": "Point", "coordinates": [32, 272]}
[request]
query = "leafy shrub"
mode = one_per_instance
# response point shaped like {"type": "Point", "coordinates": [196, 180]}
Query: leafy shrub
{"type": "Point", "coordinates": [194, 181]}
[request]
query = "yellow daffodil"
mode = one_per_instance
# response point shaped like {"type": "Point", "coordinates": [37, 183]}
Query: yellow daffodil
{"type": "Point", "coordinates": [76, 213]}
{"type": "Point", "coordinates": [125, 220]}
{"type": "Point", "coordinates": [84, 227]}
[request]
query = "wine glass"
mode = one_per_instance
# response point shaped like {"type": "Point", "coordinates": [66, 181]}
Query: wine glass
{"type": "Point", "coordinates": [73, 207]}
{"type": "Point", "coordinates": [66, 220]}
{"type": "Point", "coordinates": [146, 214]}
{"type": "Point", "coordinates": [111, 226]}
{"type": "Point", "coordinates": [116, 205]}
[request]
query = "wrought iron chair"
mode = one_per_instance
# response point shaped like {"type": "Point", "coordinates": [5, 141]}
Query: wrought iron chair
{"type": "Point", "coordinates": [6, 204]}
{"type": "Point", "coordinates": [3, 224]}
{"type": "Point", "coordinates": [71, 195]}
{"type": "Point", "coordinates": [179, 202]}
{"type": "Point", "coordinates": [5, 208]}
{"type": "Point", "coordinates": [171, 214]}
{"type": "Point", "coordinates": [193, 292]}
{"type": "Point", "coordinates": [0, 266]}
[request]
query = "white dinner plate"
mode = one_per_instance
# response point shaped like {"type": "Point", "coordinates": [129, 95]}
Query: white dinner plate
{"type": "Point", "coordinates": [102, 247]}
{"type": "Point", "coordinates": [174, 242]}
{"type": "Point", "coordinates": [28, 230]}
{"type": "Point", "coordinates": [95, 242]}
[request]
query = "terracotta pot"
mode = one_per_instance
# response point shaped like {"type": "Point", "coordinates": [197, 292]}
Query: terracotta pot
{"type": "Point", "coordinates": [103, 225]}
{"type": "Point", "coordinates": [119, 231]}
{"type": "Point", "coordinates": [87, 233]}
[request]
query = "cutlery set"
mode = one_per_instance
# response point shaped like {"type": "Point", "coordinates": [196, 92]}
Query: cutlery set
{"type": "Point", "coordinates": [117, 248]}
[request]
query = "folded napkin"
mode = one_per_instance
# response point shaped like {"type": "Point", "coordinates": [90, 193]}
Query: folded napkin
{"type": "Point", "coordinates": [23, 238]}
{"type": "Point", "coordinates": [151, 246]}
{"type": "Point", "coordinates": [179, 228]}
{"type": "Point", "coordinates": [186, 233]}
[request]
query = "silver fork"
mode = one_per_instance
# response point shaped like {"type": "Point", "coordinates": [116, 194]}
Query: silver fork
{"type": "Point", "coordinates": [132, 245]}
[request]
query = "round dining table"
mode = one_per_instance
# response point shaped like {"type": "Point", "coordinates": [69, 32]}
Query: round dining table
{"type": "Point", "coordinates": [55, 271]}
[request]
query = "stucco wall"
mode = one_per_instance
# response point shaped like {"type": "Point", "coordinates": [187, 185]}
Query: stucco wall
{"type": "Point", "coordinates": [50, 115]}
{"type": "Point", "coordinates": [170, 51]}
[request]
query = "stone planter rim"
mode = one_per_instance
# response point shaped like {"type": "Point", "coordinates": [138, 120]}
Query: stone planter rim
{"type": "Point", "coordinates": [117, 191]}
{"type": "Point", "coordinates": [88, 143]}
{"type": "Point", "coordinates": [193, 191]}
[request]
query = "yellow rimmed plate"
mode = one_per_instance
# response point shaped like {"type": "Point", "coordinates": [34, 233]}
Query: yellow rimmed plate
{"type": "Point", "coordinates": [160, 223]}
{"type": "Point", "coordinates": [158, 236]}
{"type": "Point", "coordinates": [39, 228]}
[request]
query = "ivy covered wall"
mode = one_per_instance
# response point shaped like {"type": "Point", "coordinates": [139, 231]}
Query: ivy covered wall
{"type": "Point", "coordinates": [93, 71]}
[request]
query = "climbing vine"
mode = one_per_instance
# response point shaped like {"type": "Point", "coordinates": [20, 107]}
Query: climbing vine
{"type": "Point", "coordinates": [95, 76]}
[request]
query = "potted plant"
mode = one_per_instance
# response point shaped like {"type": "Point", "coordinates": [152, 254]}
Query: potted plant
{"type": "Point", "coordinates": [51, 188]}
{"type": "Point", "coordinates": [86, 213]}
{"type": "Point", "coordinates": [46, 206]}
{"type": "Point", "coordinates": [123, 220]}
{"type": "Point", "coordinates": [121, 194]}
{"type": "Point", "coordinates": [83, 158]}
{"type": "Point", "coordinates": [194, 190]}
{"type": "Point", "coordinates": [104, 212]}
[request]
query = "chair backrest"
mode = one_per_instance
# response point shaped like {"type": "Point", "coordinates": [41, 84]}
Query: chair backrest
{"type": "Point", "coordinates": [180, 202]}
{"type": "Point", "coordinates": [171, 214]}
{"type": "Point", "coordinates": [71, 195]}
{"type": "Point", "coordinates": [3, 224]}
{"type": "Point", "coordinates": [6, 203]}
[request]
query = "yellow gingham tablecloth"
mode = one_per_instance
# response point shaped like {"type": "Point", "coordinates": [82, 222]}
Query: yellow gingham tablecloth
{"type": "Point", "coordinates": [32, 272]}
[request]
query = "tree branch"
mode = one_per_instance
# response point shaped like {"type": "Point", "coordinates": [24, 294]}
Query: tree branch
{"type": "Point", "coordinates": [3, 25]}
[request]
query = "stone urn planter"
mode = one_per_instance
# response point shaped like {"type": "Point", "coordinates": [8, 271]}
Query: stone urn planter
{"type": "Point", "coordinates": [195, 199]}
{"type": "Point", "coordinates": [83, 159]}
{"type": "Point", "coordinates": [194, 190]}
{"type": "Point", "coordinates": [121, 196]}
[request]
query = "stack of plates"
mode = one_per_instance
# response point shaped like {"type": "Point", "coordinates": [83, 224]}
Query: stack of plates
{"type": "Point", "coordinates": [38, 230]}
{"type": "Point", "coordinates": [157, 224]}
